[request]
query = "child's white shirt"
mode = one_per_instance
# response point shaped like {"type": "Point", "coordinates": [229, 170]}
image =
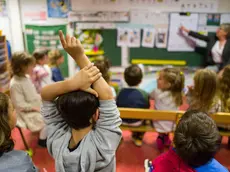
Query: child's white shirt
{"type": "Point", "coordinates": [163, 101]}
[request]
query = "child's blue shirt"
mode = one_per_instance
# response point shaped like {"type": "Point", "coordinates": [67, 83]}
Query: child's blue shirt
{"type": "Point", "coordinates": [212, 166]}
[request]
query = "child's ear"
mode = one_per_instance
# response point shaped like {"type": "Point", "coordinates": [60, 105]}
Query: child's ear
{"type": "Point", "coordinates": [169, 85]}
{"type": "Point", "coordinates": [96, 115]}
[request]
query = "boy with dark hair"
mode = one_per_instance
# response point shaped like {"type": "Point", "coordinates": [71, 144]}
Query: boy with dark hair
{"type": "Point", "coordinates": [196, 141]}
{"type": "Point", "coordinates": [42, 74]}
{"type": "Point", "coordinates": [83, 132]}
{"type": "Point", "coordinates": [133, 97]}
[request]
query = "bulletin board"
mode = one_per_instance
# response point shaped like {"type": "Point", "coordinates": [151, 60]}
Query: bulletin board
{"type": "Point", "coordinates": [46, 37]}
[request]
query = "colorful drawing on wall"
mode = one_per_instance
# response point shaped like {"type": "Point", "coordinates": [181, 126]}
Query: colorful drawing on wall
{"type": "Point", "coordinates": [58, 8]}
{"type": "Point", "coordinates": [3, 11]}
{"type": "Point", "coordinates": [91, 40]}
{"type": "Point", "coordinates": [148, 37]}
{"type": "Point", "coordinates": [122, 37]}
{"type": "Point", "coordinates": [46, 37]}
{"type": "Point", "coordinates": [134, 38]}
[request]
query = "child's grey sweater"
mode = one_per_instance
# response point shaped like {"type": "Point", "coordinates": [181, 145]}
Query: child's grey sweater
{"type": "Point", "coordinates": [97, 149]}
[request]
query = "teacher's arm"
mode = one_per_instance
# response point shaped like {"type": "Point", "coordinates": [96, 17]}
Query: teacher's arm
{"type": "Point", "coordinates": [195, 34]}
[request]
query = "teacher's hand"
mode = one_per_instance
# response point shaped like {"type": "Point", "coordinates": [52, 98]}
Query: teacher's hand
{"type": "Point", "coordinates": [182, 28]}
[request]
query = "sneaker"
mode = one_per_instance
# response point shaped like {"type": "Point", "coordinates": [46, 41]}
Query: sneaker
{"type": "Point", "coordinates": [160, 142]}
{"type": "Point", "coordinates": [137, 142]}
{"type": "Point", "coordinates": [167, 141]}
{"type": "Point", "coordinates": [42, 143]}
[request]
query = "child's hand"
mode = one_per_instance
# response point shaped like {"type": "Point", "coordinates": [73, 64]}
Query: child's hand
{"type": "Point", "coordinates": [71, 45]}
{"type": "Point", "coordinates": [85, 77]}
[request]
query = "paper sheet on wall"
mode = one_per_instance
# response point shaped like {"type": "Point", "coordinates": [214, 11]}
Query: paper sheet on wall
{"type": "Point", "coordinates": [204, 31]}
{"type": "Point", "coordinates": [225, 18]}
{"type": "Point", "coordinates": [122, 37]}
{"type": "Point", "coordinates": [179, 41]}
{"type": "Point", "coordinates": [148, 37]}
{"type": "Point", "coordinates": [161, 37]}
{"type": "Point", "coordinates": [134, 38]}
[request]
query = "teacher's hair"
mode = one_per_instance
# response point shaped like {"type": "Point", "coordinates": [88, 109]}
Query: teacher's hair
{"type": "Point", "coordinates": [226, 28]}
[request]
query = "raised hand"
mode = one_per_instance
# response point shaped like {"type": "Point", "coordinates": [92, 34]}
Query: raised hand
{"type": "Point", "coordinates": [71, 45]}
{"type": "Point", "coordinates": [182, 28]}
{"type": "Point", "coordinates": [85, 78]}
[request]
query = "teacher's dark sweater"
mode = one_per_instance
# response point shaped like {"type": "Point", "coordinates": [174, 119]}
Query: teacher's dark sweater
{"type": "Point", "coordinates": [211, 40]}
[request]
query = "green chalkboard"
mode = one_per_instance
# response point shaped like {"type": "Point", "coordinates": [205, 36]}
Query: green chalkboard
{"type": "Point", "coordinates": [112, 51]}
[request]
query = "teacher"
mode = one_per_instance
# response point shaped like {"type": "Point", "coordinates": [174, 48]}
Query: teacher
{"type": "Point", "coordinates": [218, 46]}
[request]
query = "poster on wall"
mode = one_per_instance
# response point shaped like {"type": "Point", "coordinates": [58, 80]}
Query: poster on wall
{"type": "Point", "coordinates": [122, 37]}
{"type": "Point", "coordinates": [161, 37]}
{"type": "Point", "coordinates": [213, 19]}
{"type": "Point", "coordinates": [3, 10]}
{"type": "Point", "coordinates": [134, 38]}
{"type": "Point", "coordinates": [91, 41]}
{"type": "Point", "coordinates": [58, 8]}
{"type": "Point", "coordinates": [148, 38]}
{"type": "Point", "coordinates": [45, 37]}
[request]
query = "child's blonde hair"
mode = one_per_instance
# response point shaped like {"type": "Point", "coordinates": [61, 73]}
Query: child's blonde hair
{"type": "Point", "coordinates": [176, 79]}
{"type": "Point", "coordinates": [6, 142]}
{"type": "Point", "coordinates": [224, 89]}
{"type": "Point", "coordinates": [205, 89]}
{"type": "Point", "coordinates": [54, 55]}
{"type": "Point", "coordinates": [19, 61]}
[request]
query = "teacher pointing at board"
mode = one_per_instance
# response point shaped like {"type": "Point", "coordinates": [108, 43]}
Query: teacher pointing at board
{"type": "Point", "coordinates": [218, 46]}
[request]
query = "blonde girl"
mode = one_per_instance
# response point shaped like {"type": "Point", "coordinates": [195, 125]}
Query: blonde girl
{"type": "Point", "coordinates": [24, 96]}
{"type": "Point", "coordinates": [167, 96]}
{"type": "Point", "coordinates": [224, 94]}
{"type": "Point", "coordinates": [11, 160]}
{"type": "Point", "coordinates": [56, 58]}
{"type": "Point", "coordinates": [203, 95]}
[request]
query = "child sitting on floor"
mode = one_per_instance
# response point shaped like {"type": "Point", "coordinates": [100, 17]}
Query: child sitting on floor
{"type": "Point", "coordinates": [42, 74]}
{"type": "Point", "coordinates": [133, 97]}
{"type": "Point", "coordinates": [203, 95]}
{"type": "Point", "coordinates": [103, 66]}
{"type": "Point", "coordinates": [83, 131]}
{"type": "Point", "coordinates": [11, 160]}
{"type": "Point", "coordinates": [196, 141]}
{"type": "Point", "coordinates": [167, 96]}
{"type": "Point", "coordinates": [56, 58]}
{"type": "Point", "coordinates": [24, 96]}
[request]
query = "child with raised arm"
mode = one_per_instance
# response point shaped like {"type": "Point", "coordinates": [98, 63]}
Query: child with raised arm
{"type": "Point", "coordinates": [83, 132]}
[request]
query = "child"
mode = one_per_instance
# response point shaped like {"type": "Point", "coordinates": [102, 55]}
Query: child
{"type": "Point", "coordinates": [203, 95]}
{"type": "Point", "coordinates": [55, 60]}
{"type": "Point", "coordinates": [133, 97]}
{"type": "Point", "coordinates": [42, 74]}
{"type": "Point", "coordinates": [196, 141]}
{"type": "Point", "coordinates": [167, 96]}
{"type": "Point", "coordinates": [79, 138]}
{"type": "Point", "coordinates": [24, 95]}
{"type": "Point", "coordinates": [103, 66]}
{"type": "Point", "coordinates": [224, 91]}
{"type": "Point", "coordinates": [11, 160]}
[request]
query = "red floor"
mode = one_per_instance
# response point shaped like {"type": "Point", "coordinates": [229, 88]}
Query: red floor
{"type": "Point", "coordinates": [129, 157]}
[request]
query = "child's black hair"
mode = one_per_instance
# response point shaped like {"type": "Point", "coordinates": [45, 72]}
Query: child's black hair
{"type": "Point", "coordinates": [77, 108]}
{"type": "Point", "coordinates": [133, 75]}
{"type": "Point", "coordinates": [196, 138]}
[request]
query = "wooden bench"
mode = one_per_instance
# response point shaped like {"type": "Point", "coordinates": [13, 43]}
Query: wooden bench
{"type": "Point", "coordinates": [147, 114]}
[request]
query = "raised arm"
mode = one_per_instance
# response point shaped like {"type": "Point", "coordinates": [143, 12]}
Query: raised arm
{"type": "Point", "coordinates": [81, 81]}
{"type": "Point", "coordinates": [195, 34]}
{"type": "Point", "coordinates": [74, 48]}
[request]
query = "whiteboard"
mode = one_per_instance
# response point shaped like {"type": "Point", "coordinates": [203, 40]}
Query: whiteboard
{"type": "Point", "coordinates": [177, 40]}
